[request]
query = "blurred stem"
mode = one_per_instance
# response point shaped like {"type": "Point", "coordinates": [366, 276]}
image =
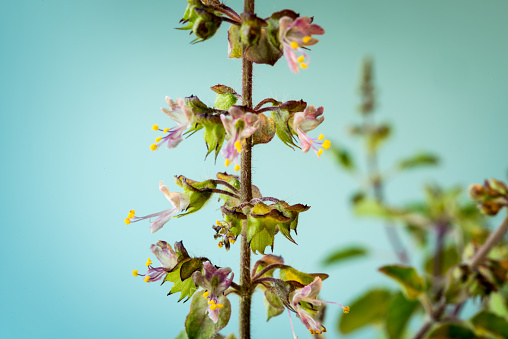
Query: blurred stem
{"type": "Point", "coordinates": [377, 186]}
{"type": "Point", "coordinates": [492, 241]}
{"type": "Point", "coordinates": [246, 195]}
{"type": "Point", "coordinates": [441, 229]}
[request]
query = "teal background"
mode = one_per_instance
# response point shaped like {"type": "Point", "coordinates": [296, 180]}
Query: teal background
{"type": "Point", "coordinates": [82, 82]}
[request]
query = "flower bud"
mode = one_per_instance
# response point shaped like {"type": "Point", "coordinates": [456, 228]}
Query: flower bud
{"type": "Point", "coordinates": [206, 24]}
{"type": "Point", "coordinates": [476, 192]}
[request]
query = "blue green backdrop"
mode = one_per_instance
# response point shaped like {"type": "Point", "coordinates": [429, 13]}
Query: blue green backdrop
{"type": "Point", "coordinates": [82, 82]}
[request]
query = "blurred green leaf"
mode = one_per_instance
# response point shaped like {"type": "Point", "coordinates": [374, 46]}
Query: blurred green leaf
{"type": "Point", "coordinates": [449, 258]}
{"type": "Point", "coordinates": [498, 305]}
{"type": "Point", "coordinates": [418, 160]}
{"type": "Point", "coordinates": [198, 324]}
{"type": "Point", "coordinates": [345, 254]}
{"type": "Point", "coordinates": [451, 330]}
{"type": "Point", "coordinates": [398, 315]}
{"type": "Point", "coordinates": [368, 309]}
{"type": "Point", "coordinates": [491, 324]}
{"type": "Point", "coordinates": [407, 277]}
{"type": "Point", "coordinates": [182, 335]}
{"type": "Point", "coordinates": [378, 136]}
{"type": "Point", "coordinates": [343, 158]}
{"type": "Point", "coordinates": [370, 207]}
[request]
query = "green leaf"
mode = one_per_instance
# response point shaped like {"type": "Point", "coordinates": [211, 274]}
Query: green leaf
{"type": "Point", "coordinates": [491, 324]}
{"type": "Point", "coordinates": [451, 330]}
{"type": "Point", "coordinates": [498, 305]}
{"type": "Point", "coordinates": [344, 158]}
{"type": "Point", "coordinates": [186, 287]}
{"type": "Point", "coordinates": [260, 241]}
{"type": "Point", "coordinates": [273, 305]}
{"type": "Point", "coordinates": [289, 273]}
{"type": "Point", "coordinates": [407, 277]}
{"type": "Point", "coordinates": [372, 208]}
{"type": "Point", "coordinates": [398, 315]}
{"type": "Point", "coordinates": [189, 267]}
{"type": "Point", "coordinates": [198, 192]}
{"type": "Point", "coordinates": [198, 324]}
{"type": "Point", "coordinates": [368, 309]}
{"type": "Point", "coordinates": [449, 258]}
{"type": "Point", "coordinates": [345, 254]}
{"type": "Point", "coordinates": [182, 335]}
{"type": "Point", "coordinates": [235, 45]}
{"type": "Point", "coordinates": [418, 160]}
{"type": "Point", "coordinates": [281, 117]}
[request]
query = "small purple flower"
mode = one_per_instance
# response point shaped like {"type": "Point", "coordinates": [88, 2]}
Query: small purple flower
{"type": "Point", "coordinates": [184, 118]}
{"type": "Point", "coordinates": [294, 36]}
{"type": "Point", "coordinates": [303, 122]}
{"type": "Point", "coordinates": [308, 295]}
{"type": "Point", "coordinates": [241, 126]}
{"type": "Point", "coordinates": [179, 201]}
{"type": "Point", "coordinates": [215, 281]}
{"type": "Point", "coordinates": [167, 257]}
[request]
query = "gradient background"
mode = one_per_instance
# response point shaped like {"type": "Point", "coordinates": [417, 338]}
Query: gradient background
{"type": "Point", "coordinates": [82, 82]}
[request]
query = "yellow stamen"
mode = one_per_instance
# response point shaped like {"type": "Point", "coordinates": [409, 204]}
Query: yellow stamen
{"type": "Point", "coordinates": [166, 130]}
{"type": "Point", "coordinates": [232, 241]}
{"type": "Point", "coordinates": [147, 278]}
{"type": "Point", "coordinates": [301, 58]}
{"type": "Point", "coordinates": [320, 152]}
{"type": "Point", "coordinates": [148, 262]}
{"type": "Point", "coordinates": [155, 127]}
{"type": "Point", "coordinates": [326, 144]}
{"type": "Point", "coordinates": [306, 39]}
{"type": "Point", "coordinates": [294, 44]}
{"type": "Point", "coordinates": [303, 65]}
{"type": "Point", "coordinates": [312, 331]}
{"type": "Point", "coordinates": [206, 294]}
{"type": "Point", "coordinates": [153, 147]}
{"type": "Point", "coordinates": [318, 332]}
{"type": "Point", "coordinates": [324, 330]}
{"type": "Point", "coordinates": [218, 223]}
{"type": "Point", "coordinates": [220, 305]}
{"type": "Point", "coordinates": [132, 212]}
{"type": "Point", "coordinates": [135, 273]}
{"type": "Point", "coordinates": [127, 221]}
{"type": "Point", "coordinates": [220, 244]}
{"type": "Point", "coordinates": [237, 167]}
{"type": "Point", "coordinates": [158, 139]}
{"type": "Point", "coordinates": [321, 137]}
{"type": "Point", "coordinates": [211, 302]}
{"type": "Point", "coordinates": [227, 162]}
{"type": "Point", "coordinates": [213, 307]}
{"type": "Point", "coordinates": [346, 309]}
{"type": "Point", "coordinates": [130, 216]}
{"type": "Point", "coordinates": [238, 146]}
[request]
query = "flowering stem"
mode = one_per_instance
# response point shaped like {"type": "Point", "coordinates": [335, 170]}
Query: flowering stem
{"type": "Point", "coordinates": [493, 239]}
{"type": "Point", "coordinates": [266, 269]}
{"type": "Point", "coordinates": [246, 195]}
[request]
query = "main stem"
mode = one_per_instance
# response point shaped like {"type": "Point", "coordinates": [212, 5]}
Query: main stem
{"type": "Point", "coordinates": [246, 195]}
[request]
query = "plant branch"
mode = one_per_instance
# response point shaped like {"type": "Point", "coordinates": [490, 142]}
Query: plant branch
{"type": "Point", "coordinates": [227, 184]}
{"type": "Point", "coordinates": [493, 239]}
{"type": "Point", "coordinates": [266, 269]}
{"type": "Point", "coordinates": [266, 101]}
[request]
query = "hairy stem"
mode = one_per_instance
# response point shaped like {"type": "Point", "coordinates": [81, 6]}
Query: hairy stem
{"type": "Point", "coordinates": [246, 195]}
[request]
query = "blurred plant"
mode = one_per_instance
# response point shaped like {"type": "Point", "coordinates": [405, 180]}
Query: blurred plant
{"type": "Point", "coordinates": [246, 214]}
{"type": "Point", "coordinates": [465, 261]}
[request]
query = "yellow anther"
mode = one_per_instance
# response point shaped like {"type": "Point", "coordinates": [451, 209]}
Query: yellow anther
{"type": "Point", "coordinates": [232, 241]}
{"type": "Point", "coordinates": [158, 139]}
{"type": "Point", "coordinates": [306, 39]}
{"type": "Point", "coordinates": [218, 223]}
{"type": "Point", "coordinates": [312, 331]}
{"type": "Point", "coordinates": [237, 167]}
{"type": "Point", "coordinates": [238, 146]}
{"type": "Point", "coordinates": [148, 262]}
{"type": "Point", "coordinates": [166, 130]}
{"type": "Point", "coordinates": [303, 65]}
{"type": "Point", "coordinates": [132, 212]}
{"type": "Point", "coordinates": [320, 137]}
{"type": "Point", "coordinates": [206, 294]}
{"type": "Point", "coordinates": [220, 305]}
{"type": "Point", "coordinates": [127, 221]}
{"type": "Point", "coordinates": [135, 273]}
{"type": "Point", "coordinates": [227, 162]}
{"type": "Point", "coordinates": [213, 307]}
{"type": "Point", "coordinates": [155, 127]}
{"type": "Point", "coordinates": [320, 152]}
{"type": "Point", "coordinates": [294, 44]}
{"type": "Point", "coordinates": [153, 147]}
{"type": "Point", "coordinates": [301, 58]}
{"type": "Point", "coordinates": [211, 302]}
{"type": "Point", "coordinates": [318, 332]}
{"type": "Point", "coordinates": [220, 244]}
{"type": "Point", "coordinates": [326, 144]}
{"type": "Point", "coordinates": [130, 216]}
{"type": "Point", "coordinates": [324, 330]}
{"type": "Point", "coordinates": [147, 278]}
{"type": "Point", "coordinates": [346, 309]}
